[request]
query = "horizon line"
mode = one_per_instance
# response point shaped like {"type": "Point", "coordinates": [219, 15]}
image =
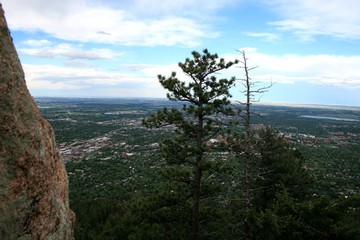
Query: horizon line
{"type": "Point", "coordinates": [289, 104]}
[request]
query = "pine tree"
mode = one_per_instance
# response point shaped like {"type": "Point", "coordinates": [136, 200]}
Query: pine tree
{"type": "Point", "coordinates": [243, 144]}
{"type": "Point", "coordinates": [280, 165]}
{"type": "Point", "coordinates": [206, 98]}
{"type": "Point", "coordinates": [251, 91]}
{"type": "Point", "coordinates": [266, 163]}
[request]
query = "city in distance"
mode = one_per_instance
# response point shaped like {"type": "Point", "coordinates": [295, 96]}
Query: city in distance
{"type": "Point", "coordinates": [110, 128]}
{"type": "Point", "coordinates": [112, 160]}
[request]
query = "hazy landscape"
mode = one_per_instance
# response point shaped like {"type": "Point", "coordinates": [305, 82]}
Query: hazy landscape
{"type": "Point", "coordinates": [118, 123]}
{"type": "Point", "coordinates": [110, 155]}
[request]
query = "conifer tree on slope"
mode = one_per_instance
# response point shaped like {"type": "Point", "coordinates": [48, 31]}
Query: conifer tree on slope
{"type": "Point", "coordinates": [205, 97]}
{"type": "Point", "coordinates": [267, 162]}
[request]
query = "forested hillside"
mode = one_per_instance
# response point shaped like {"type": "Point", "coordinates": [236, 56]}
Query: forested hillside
{"type": "Point", "coordinates": [203, 167]}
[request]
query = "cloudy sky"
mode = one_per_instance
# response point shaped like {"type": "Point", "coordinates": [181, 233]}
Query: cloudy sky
{"type": "Point", "coordinates": [310, 49]}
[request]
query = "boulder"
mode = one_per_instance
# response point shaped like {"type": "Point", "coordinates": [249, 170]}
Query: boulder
{"type": "Point", "coordinates": [34, 201]}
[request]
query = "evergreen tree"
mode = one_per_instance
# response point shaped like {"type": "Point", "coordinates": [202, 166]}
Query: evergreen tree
{"type": "Point", "coordinates": [251, 91]}
{"type": "Point", "coordinates": [314, 218]}
{"type": "Point", "coordinates": [279, 165]}
{"type": "Point", "coordinates": [243, 144]}
{"type": "Point", "coordinates": [264, 163]}
{"type": "Point", "coordinates": [206, 98]}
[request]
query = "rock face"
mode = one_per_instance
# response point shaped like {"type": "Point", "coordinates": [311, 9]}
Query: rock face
{"type": "Point", "coordinates": [33, 182]}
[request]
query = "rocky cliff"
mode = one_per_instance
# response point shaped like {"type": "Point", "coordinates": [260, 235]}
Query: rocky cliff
{"type": "Point", "coordinates": [33, 182]}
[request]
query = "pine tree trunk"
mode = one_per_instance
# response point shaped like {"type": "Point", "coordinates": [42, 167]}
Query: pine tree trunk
{"type": "Point", "coordinates": [196, 202]}
{"type": "Point", "coordinates": [197, 180]}
{"type": "Point", "coordinates": [249, 165]}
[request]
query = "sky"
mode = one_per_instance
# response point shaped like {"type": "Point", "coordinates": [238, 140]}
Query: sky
{"type": "Point", "coordinates": [308, 49]}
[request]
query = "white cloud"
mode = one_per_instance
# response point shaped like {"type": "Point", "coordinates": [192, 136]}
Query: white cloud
{"type": "Point", "coordinates": [92, 21]}
{"type": "Point", "coordinates": [265, 36]}
{"type": "Point", "coordinates": [76, 77]}
{"type": "Point", "coordinates": [132, 80]}
{"type": "Point", "coordinates": [68, 51]}
{"type": "Point", "coordinates": [140, 80]}
{"type": "Point", "coordinates": [323, 69]}
{"type": "Point", "coordinates": [77, 64]}
{"type": "Point", "coordinates": [135, 80]}
{"type": "Point", "coordinates": [309, 18]}
{"type": "Point", "coordinates": [153, 70]}
{"type": "Point", "coordinates": [37, 43]}
{"type": "Point", "coordinates": [195, 9]}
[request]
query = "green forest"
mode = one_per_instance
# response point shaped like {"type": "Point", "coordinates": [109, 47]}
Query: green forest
{"type": "Point", "coordinates": [200, 166]}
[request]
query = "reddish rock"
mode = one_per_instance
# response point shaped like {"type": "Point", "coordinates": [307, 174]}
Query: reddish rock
{"type": "Point", "coordinates": [33, 182]}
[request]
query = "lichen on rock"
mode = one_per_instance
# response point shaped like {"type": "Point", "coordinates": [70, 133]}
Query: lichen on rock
{"type": "Point", "coordinates": [34, 200]}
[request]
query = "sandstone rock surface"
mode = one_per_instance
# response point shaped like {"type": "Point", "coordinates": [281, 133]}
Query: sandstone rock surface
{"type": "Point", "coordinates": [33, 182]}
